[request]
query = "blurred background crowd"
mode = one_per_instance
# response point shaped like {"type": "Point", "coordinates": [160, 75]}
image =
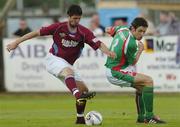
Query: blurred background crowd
{"type": "Point", "coordinates": [23, 16]}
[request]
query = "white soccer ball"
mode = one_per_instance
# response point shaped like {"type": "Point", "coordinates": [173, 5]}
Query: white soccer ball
{"type": "Point", "coordinates": [93, 118]}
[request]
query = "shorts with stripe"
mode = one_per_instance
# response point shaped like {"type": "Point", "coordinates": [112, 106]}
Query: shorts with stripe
{"type": "Point", "coordinates": [123, 77]}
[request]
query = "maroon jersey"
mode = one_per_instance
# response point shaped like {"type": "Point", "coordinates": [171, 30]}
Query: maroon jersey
{"type": "Point", "coordinates": [69, 45]}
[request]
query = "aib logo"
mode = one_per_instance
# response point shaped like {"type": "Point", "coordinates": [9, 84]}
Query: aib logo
{"type": "Point", "coordinates": [30, 51]}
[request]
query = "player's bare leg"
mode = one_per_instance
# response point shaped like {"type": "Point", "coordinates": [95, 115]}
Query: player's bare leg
{"type": "Point", "coordinates": [144, 87]}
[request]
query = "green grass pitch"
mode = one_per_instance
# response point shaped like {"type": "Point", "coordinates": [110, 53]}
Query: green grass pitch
{"type": "Point", "coordinates": [58, 110]}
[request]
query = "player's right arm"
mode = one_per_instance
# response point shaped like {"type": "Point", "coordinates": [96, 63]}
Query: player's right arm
{"type": "Point", "coordinates": [112, 30]}
{"type": "Point", "coordinates": [13, 45]}
{"type": "Point", "coordinates": [49, 30]}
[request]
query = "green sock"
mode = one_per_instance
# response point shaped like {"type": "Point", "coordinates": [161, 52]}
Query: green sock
{"type": "Point", "coordinates": [147, 95]}
{"type": "Point", "coordinates": [140, 106]}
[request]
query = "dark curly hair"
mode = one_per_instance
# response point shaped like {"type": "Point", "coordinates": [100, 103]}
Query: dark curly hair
{"type": "Point", "coordinates": [139, 21]}
{"type": "Point", "coordinates": [74, 10]}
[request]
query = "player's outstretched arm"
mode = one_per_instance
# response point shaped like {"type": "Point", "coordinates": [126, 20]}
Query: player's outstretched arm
{"type": "Point", "coordinates": [106, 51]}
{"type": "Point", "coordinates": [13, 45]}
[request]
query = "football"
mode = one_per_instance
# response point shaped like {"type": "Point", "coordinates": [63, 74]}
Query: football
{"type": "Point", "coordinates": [93, 118]}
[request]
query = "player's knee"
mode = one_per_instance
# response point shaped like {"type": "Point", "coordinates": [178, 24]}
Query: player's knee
{"type": "Point", "coordinates": [139, 89]}
{"type": "Point", "coordinates": [82, 87]}
{"type": "Point", "coordinates": [149, 81]}
{"type": "Point", "coordinates": [66, 72]}
{"type": "Point", "coordinates": [85, 90]}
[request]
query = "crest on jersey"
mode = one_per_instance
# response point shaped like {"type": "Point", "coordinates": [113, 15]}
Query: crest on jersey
{"type": "Point", "coordinates": [62, 35]}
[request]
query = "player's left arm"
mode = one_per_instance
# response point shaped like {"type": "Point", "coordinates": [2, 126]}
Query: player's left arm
{"type": "Point", "coordinates": [13, 45]}
{"type": "Point", "coordinates": [140, 50]}
{"type": "Point", "coordinates": [112, 30]}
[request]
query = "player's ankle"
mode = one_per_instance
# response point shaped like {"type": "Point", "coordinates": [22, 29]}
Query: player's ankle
{"type": "Point", "coordinates": [140, 118]}
{"type": "Point", "coordinates": [80, 119]}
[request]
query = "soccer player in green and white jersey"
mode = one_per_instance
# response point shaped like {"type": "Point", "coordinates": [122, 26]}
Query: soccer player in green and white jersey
{"type": "Point", "coordinates": [121, 71]}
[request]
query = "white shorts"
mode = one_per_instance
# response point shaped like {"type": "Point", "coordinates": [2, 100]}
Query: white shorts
{"type": "Point", "coordinates": [55, 65]}
{"type": "Point", "coordinates": [129, 70]}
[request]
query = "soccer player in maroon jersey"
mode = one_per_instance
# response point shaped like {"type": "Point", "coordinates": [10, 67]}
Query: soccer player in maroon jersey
{"type": "Point", "coordinates": [68, 41]}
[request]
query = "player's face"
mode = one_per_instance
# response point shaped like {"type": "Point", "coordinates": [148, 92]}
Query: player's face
{"type": "Point", "coordinates": [139, 32]}
{"type": "Point", "coordinates": [74, 20]}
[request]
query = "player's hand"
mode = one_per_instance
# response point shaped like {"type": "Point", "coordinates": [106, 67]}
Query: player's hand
{"type": "Point", "coordinates": [12, 46]}
{"type": "Point", "coordinates": [140, 46]}
{"type": "Point", "coordinates": [110, 30]}
{"type": "Point", "coordinates": [111, 54]}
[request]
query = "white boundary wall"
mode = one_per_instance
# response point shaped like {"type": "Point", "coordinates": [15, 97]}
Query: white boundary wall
{"type": "Point", "coordinates": [160, 63]}
{"type": "Point", "coordinates": [25, 71]}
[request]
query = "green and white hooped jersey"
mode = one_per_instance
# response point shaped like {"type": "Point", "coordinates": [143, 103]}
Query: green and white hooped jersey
{"type": "Point", "coordinates": [125, 46]}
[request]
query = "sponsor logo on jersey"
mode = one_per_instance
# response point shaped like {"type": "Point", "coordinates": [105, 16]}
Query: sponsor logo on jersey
{"type": "Point", "coordinates": [69, 43]}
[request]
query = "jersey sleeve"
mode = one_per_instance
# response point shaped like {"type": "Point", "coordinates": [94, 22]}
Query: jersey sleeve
{"type": "Point", "coordinates": [92, 41]}
{"type": "Point", "coordinates": [113, 30]}
{"type": "Point", "coordinates": [131, 53]}
{"type": "Point", "coordinates": [49, 30]}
